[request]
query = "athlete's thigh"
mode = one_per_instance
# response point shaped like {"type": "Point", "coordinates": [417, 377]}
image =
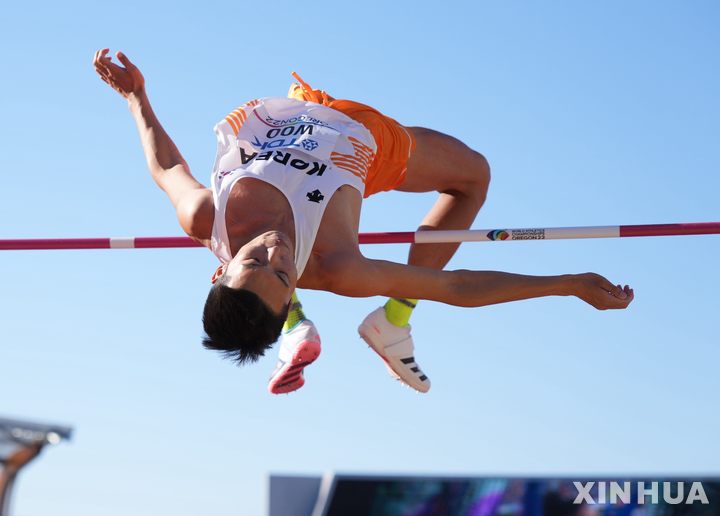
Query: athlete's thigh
{"type": "Point", "coordinates": [438, 163]}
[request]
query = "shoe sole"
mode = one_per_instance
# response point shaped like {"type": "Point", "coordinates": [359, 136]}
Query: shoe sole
{"type": "Point", "coordinates": [365, 332]}
{"type": "Point", "coordinates": [289, 377]}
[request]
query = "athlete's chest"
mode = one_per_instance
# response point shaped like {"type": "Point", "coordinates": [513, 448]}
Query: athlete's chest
{"type": "Point", "coordinates": [336, 237]}
{"type": "Point", "coordinates": [338, 225]}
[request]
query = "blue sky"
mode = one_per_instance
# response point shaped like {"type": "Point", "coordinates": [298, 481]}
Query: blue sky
{"type": "Point", "coordinates": [589, 113]}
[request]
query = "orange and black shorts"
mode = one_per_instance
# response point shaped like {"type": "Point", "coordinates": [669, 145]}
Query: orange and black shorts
{"type": "Point", "coordinates": [394, 142]}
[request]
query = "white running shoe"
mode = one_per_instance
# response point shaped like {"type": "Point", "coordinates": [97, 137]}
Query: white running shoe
{"type": "Point", "coordinates": [395, 346]}
{"type": "Point", "coordinates": [299, 348]}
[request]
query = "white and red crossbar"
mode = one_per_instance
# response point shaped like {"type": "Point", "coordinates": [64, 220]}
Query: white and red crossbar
{"type": "Point", "coordinates": [408, 237]}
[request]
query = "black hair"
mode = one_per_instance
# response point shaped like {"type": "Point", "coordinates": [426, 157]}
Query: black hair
{"type": "Point", "coordinates": [240, 324]}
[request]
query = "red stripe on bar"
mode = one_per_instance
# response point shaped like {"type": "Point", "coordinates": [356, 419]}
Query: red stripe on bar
{"type": "Point", "coordinates": [158, 242]}
{"type": "Point", "coordinates": [404, 237]}
{"type": "Point", "coordinates": [55, 243]}
{"type": "Point", "coordinates": [697, 228]}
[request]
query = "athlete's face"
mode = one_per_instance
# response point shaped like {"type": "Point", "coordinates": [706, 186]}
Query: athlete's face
{"type": "Point", "coordinates": [265, 266]}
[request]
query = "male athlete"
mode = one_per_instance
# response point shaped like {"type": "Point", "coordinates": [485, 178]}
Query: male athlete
{"type": "Point", "coordinates": [283, 212]}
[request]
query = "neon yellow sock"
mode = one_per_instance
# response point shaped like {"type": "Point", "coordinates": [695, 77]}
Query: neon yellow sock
{"type": "Point", "coordinates": [295, 314]}
{"type": "Point", "coordinates": [398, 310]}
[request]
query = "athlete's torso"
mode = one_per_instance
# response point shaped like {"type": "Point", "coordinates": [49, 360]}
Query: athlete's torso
{"type": "Point", "coordinates": [304, 156]}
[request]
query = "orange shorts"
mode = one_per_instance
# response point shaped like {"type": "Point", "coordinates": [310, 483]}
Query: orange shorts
{"type": "Point", "coordinates": [394, 142]}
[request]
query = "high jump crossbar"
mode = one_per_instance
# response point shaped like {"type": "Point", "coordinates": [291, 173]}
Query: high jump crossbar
{"type": "Point", "coordinates": [405, 237]}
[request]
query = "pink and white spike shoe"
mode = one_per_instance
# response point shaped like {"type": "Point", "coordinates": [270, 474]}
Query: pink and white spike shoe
{"type": "Point", "coordinates": [395, 346]}
{"type": "Point", "coordinates": [299, 348]}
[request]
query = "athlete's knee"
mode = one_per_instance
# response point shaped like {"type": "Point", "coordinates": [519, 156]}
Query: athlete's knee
{"type": "Point", "coordinates": [482, 170]}
{"type": "Point", "coordinates": [478, 176]}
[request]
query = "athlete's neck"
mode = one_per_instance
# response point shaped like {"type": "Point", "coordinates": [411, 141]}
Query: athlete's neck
{"type": "Point", "coordinates": [255, 207]}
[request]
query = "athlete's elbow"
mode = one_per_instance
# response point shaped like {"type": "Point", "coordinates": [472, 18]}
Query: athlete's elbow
{"type": "Point", "coordinates": [351, 279]}
{"type": "Point", "coordinates": [350, 286]}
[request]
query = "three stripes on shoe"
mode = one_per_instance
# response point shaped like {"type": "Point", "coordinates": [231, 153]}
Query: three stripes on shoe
{"type": "Point", "coordinates": [414, 368]}
{"type": "Point", "coordinates": [293, 373]}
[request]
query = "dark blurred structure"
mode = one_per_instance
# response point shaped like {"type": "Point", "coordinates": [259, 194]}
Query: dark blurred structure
{"type": "Point", "coordinates": [387, 495]}
{"type": "Point", "coordinates": [20, 443]}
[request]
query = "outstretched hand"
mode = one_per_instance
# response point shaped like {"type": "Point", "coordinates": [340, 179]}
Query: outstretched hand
{"type": "Point", "coordinates": [126, 81]}
{"type": "Point", "coordinates": [600, 293]}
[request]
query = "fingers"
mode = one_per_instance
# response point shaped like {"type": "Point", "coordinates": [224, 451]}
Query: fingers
{"type": "Point", "coordinates": [614, 290]}
{"type": "Point", "coordinates": [97, 63]}
{"type": "Point", "coordinates": [100, 53]}
{"type": "Point", "coordinates": [103, 62]}
{"type": "Point", "coordinates": [603, 295]}
{"type": "Point", "coordinates": [619, 292]}
{"type": "Point", "coordinates": [622, 300]}
{"type": "Point", "coordinates": [101, 58]}
{"type": "Point", "coordinates": [630, 293]}
{"type": "Point", "coordinates": [624, 292]}
{"type": "Point", "coordinates": [116, 76]}
{"type": "Point", "coordinates": [100, 61]}
{"type": "Point", "coordinates": [125, 61]}
{"type": "Point", "coordinates": [608, 296]}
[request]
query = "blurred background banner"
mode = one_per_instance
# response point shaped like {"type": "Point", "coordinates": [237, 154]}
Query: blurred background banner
{"type": "Point", "coordinates": [414, 495]}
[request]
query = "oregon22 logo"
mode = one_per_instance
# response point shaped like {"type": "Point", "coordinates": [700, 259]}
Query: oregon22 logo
{"type": "Point", "coordinates": [498, 234]}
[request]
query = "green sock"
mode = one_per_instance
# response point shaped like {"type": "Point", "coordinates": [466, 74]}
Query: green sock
{"type": "Point", "coordinates": [398, 310]}
{"type": "Point", "coordinates": [295, 314]}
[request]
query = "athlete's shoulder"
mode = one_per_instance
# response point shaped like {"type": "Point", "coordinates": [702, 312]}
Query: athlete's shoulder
{"type": "Point", "coordinates": [196, 213]}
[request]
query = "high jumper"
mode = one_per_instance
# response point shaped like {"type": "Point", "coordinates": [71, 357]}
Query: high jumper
{"type": "Point", "coordinates": [282, 212]}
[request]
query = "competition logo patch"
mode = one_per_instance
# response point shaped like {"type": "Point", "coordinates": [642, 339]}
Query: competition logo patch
{"type": "Point", "coordinates": [309, 145]}
{"type": "Point", "coordinates": [498, 234]}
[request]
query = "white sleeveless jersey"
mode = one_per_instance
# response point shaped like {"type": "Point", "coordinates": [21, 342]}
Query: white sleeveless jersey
{"type": "Point", "coordinates": [305, 150]}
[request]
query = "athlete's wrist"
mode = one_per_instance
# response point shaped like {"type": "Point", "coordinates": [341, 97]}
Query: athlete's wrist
{"type": "Point", "coordinates": [568, 285]}
{"type": "Point", "coordinates": [136, 99]}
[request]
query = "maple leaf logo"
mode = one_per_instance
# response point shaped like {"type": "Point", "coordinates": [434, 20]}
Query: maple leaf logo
{"type": "Point", "coordinates": [315, 196]}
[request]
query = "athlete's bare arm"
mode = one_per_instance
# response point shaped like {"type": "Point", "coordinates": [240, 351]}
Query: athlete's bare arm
{"type": "Point", "coordinates": [166, 164]}
{"type": "Point", "coordinates": [361, 277]}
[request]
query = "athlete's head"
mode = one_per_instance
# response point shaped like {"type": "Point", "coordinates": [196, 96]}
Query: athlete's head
{"type": "Point", "coordinates": [248, 302]}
